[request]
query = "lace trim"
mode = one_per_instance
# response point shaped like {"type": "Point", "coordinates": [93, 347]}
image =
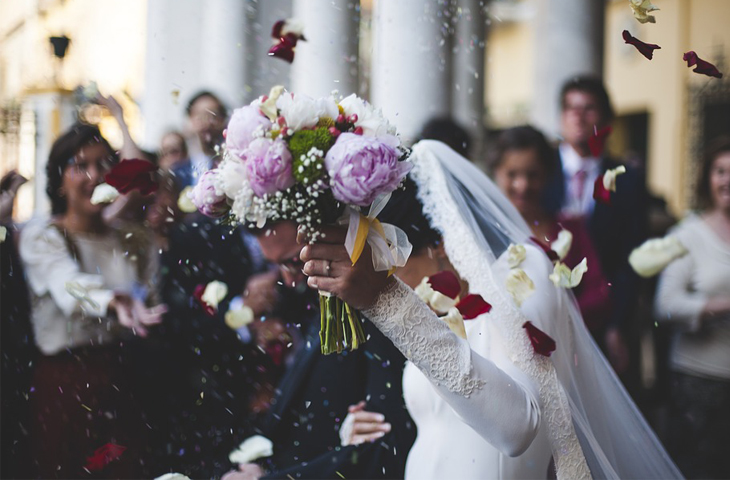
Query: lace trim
{"type": "Point", "coordinates": [432, 346]}
{"type": "Point", "coordinates": [474, 266]}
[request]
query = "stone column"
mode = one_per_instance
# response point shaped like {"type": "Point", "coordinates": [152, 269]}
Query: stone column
{"type": "Point", "coordinates": [467, 95]}
{"type": "Point", "coordinates": [222, 54]}
{"type": "Point", "coordinates": [328, 59]}
{"type": "Point", "coordinates": [569, 42]}
{"type": "Point", "coordinates": [410, 74]}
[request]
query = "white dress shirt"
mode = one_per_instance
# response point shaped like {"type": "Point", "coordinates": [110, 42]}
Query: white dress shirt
{"type": "Point", "coordinates": [578, 205]}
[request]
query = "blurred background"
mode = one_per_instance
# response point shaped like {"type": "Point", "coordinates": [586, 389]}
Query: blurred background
{"type": "Point", "coordinates": [487, 64]}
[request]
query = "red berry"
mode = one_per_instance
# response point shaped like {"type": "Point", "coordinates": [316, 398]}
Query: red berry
{"type": "Point", "coordinates": [353, 118]}
{"type": "Point", "coordinates": [335, 133]}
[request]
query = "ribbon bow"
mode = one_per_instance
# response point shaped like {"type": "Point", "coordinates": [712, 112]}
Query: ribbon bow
{"type": "Point", "coordinates": [389, 244]}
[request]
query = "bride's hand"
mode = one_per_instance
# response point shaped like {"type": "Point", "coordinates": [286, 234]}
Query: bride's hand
{"type": "Point", "coordinates": [330, 269]}
{"type": "Point", "coordinates": [361, 426]}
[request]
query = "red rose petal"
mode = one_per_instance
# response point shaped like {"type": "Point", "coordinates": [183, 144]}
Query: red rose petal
{"type": "Point", "coordinates": [552, 255]}
{"type": "Point", "coordinates": [702, 66]}
{"type": "Point", "coordinates": [103, 456]}
{"type": "Point", "coordinates": [134, 174]}
{"type": "Point", "coordinates": [284, 49]}
{"type": "Point", "coordinates": [541, 342]}
{"type": "Point", "coordinates": [276, 30]}
{"type": "Point", "coordinates": [198, 295]}
{"type": "Point", "coordinates": [472, 306]}
{"type": "Point", "coordinates": [445, 283]}
{"type": "Point", "coordinates": [598, 139]}
{"type": "Point", "coordinates": [600, 194]}
{"type": "Point", "coordinates": [646, 49]}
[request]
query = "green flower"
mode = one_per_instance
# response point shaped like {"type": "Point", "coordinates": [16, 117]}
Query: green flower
{"type": "Point", "coordinates": [308, 148]}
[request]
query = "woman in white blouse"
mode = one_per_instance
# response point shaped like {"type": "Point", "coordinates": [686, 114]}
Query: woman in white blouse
{"type": "Point", "coordinates": [88, 286]}
{"type": "Point", "coordinates": [694, 296]}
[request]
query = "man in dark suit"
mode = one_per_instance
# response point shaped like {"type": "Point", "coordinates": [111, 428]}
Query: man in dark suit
{"type": "Point", "coordinates": [615, 229]}
{"type": "Point", "coordinates": [313, 397]}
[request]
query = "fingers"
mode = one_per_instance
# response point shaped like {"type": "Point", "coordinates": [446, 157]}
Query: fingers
{"type": "Point", "coordinates": [320, 268]}
{"type": "Point", "coordinates": [357, 407]}
{"type": "Point", "coordinates": [368, 417]}
{"type": "Point", "coordinates": [358, 439]}
{"type": "Point", "coordinates": [323, 251]}
{"type": "Point", "coordinates": [325, 284]}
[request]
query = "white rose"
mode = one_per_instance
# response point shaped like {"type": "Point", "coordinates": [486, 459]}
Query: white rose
{"type": "Point", "coordinates": [654, 255]}
{"type": "Point", "coordinates": [104, 193]}
{"type": "Point", "coordinates": [516, 255]}
{"type": "Point", "coordinates": [519, 285]}
{"type": "Point", "coordinates": [214, 292]}
{"type": "Point", "coordinates": [252, 449]}
{"type": "Point", "coordinates": [564, 277]}
{"type": "Point", "coordinates": [299, 111]}
{"type": "Point", "coordinates": [231, 178]}
{"type": "Point", "coordinates": [327, 107]}
{"type": "Point", "coordinates": [371, 120]}
{"type": "Point", "coordinates": [562, 244]}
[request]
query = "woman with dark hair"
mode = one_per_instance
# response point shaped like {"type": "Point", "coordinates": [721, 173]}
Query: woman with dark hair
{"type": "Point", "coordinates": [88, 292]}
{"type": "Point", "coordinates": [522, 162]}
{"type": "Point", "coordinates": [498, 403]}
{"type": "Point", "coordinates": [694, 295]}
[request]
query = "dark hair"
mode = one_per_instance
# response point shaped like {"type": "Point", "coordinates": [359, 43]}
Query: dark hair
{"type": "Point", "coordinates": [404, 210]}
{"type": "Point", "coordinates": [222, 110]}
{"type": "Point", "coordinates": [592, 86]}
{"type": "Point", "coordinates": [521, 138]}
{"type": "Point", "coordinates": [714, 149]}
{"type": "Point", "coordinates": [448, 131]}
{"type": "Point", "coordinates": [63, 151]}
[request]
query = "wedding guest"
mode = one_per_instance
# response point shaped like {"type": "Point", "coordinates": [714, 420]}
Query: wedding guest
{"type": "Point", "coordinates": [207, 116]}
{"type": "Point", "coordinates": [173, 150]}
{"type": "Point", "coordinates": [313, 397]}
{"type": "Point", "coordinates": [87, 295]}
{"type": "Point", "coordinates": [694, 296]}
{"type": "Point", "coordinates": [615, 229]}
{"type": "Point", "coordinates": [522, 162]}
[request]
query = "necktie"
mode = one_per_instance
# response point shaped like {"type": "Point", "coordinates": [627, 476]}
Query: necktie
{"type": "Point", "coordinates": [578, 186]}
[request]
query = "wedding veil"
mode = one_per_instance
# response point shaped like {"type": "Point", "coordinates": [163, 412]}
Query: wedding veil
{"type": "Point", "coordinates": [607, 432]}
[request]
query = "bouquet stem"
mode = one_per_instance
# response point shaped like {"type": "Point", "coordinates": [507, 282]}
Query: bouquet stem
{"type": "Point", "coordinates": [340, 325]}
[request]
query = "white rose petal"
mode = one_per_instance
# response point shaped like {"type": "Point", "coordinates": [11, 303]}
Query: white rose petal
{"type": "Point", "coordinates": [172, 476]}
{"type": "Point", "coordinates": [299, 111]}
{"type": "Point", "coordinates": [564, 277]}
{"type": "Point", "coordinates": [455, 321]}
{"type": "Point", "coordinates": [104, 193]}
{"type": "Point", "coordinates": [239, 317]}
{"type": "Point", "coordinates": [268, 107]}
{"type": "Point", "coordinates": [81, 293]}
{"type": "Point", "coordinates": [3, 233]}
{"type": "Point", "coordinates": [214, 292]}
{"type": "Point", "coordinates": [516, 255]}
{"type": "Point", "coordinates": [184, 203]}
{"type": "Point", "coordinates": [371, 120]}
{"type": "Point", "coordinates": [252, 449]}
{"type": "Point", "coordinates": [439, 302]}
{"type": "Point", "coordinates": [562, 244]}
{"type": "Point", "coordinates": [519, 285]}
{"type": "Point", "coordinates": [641, 9]}
{"type": "Point", "coordinates": [609, 178]}
{"type": "Point", "coordinates": [654, 255]}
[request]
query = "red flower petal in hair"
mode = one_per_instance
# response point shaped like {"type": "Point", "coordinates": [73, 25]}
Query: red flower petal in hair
{"type": "Point", "coordinates": [552, 255]}
{"type": "Point", "coordinates": [598, 139]}
{"type": "Point", "coordinates": [445, 283]}
{"type": "Point", "coordinates": [472, 306]}
{"type": "Point", "coordinates": [103, 456]}
{"type": "Point", "coordinates": [134, 174]}
{"type": "Point", "coordinates": [198, 295]}
{"type": "Point", "coordinates": [702, 66]}
{"type": "Point", "coordinates": [646, 49]}
{"type": "Point", "coordinates": [541, 342]}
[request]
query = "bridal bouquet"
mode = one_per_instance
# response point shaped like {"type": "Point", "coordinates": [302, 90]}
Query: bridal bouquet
{"type": "Point", "coordinates": [313, 161]}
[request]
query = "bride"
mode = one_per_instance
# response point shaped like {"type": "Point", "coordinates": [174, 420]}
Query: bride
{"type": "Point", "coordinates": [490, 406]}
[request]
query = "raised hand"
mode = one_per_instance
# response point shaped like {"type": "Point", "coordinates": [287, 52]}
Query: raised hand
{"type": "Point", "coordinates": [361, 426]}
{"type": "Point", "coordinates": [134, 315]}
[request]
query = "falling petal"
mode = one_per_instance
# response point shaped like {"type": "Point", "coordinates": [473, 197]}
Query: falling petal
{"type": "Point", "coordinates": [641, 9]}
{"type": "Point", "coordinates": [654, 255]}
{"type": "Point", "coordinates": [646, 49]}
{"type": "Point", "coordinates": [3, 233]}
{"type": "Point", "coordinates": [564, 277]}
{"type": "Point", "coordinates": [519, 285]}
{"type": "Point", "coordinates": [184, 203]}
{"type": "Point", "coordinates": [134, 174]}
{"type": "Point", "coordinates": [541, 342]}
{"type": "Point", "coordinates": [239, 317]}
{"type": "Point", "coordinates": [198, 295]}
{"type": "Point", "coordinates": [455, 321]}
{"type": "Point", "coordinates": [606, 184]}
{"type": "Point", "coordinates": [562, 244]}
{"type": "Point", "coordinates": [103, 456]}
{"type": "Point", "coordinates": [473, 305]}
{"type": "Point", "coordinates": [597, 141]}
{"type": "Point", "coordinates": [515, 255]}
{"type": "Point", "coordinates": [251, 449]}
{"type": "Point", "coordinates": [701, 66]}
{"type": "Point", "coordinates": [439, 302]}
{"type": "Point", "coordinates": [104, 193]}
{"type": "Point", "coordinates": [214, 293]}
{"type": "Point", "coordinates": [445, 282]}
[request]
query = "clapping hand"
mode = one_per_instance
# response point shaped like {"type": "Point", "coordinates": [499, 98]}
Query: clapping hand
{"type": "Point", "coordinates": [133, 314]}
{"type": "Point", "coordinates": [361, 426]}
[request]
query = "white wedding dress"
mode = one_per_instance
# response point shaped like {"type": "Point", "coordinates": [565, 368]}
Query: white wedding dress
{"type": "Point", "coordinates": [490, 407]}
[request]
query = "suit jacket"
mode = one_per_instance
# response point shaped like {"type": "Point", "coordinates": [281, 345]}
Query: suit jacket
{"type": "Point", "coordinates": [615, 230]}
{"type": "Point", "coordinates": [312, 402]}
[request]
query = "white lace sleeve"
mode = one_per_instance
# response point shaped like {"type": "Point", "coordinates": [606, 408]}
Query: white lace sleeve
{"type": "Point", "coordinates": [501, 407]}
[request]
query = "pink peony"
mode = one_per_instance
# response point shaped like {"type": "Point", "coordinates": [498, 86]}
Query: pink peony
{"type": "Point", "coordinates": [204, 197]}
{"type": "Point", "coordinates": [361, 167]}
{"type": "Point", "coordinates": [244, 122]}
{"type": "Point", "coordinates": [268, 165]}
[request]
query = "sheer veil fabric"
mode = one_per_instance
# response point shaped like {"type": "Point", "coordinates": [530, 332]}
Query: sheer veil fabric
{"type": "Point", "coordinates": [593, 426]}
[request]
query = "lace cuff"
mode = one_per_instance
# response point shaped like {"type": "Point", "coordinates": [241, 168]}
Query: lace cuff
{"type": "Point", "coordinates": [424, 339]}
